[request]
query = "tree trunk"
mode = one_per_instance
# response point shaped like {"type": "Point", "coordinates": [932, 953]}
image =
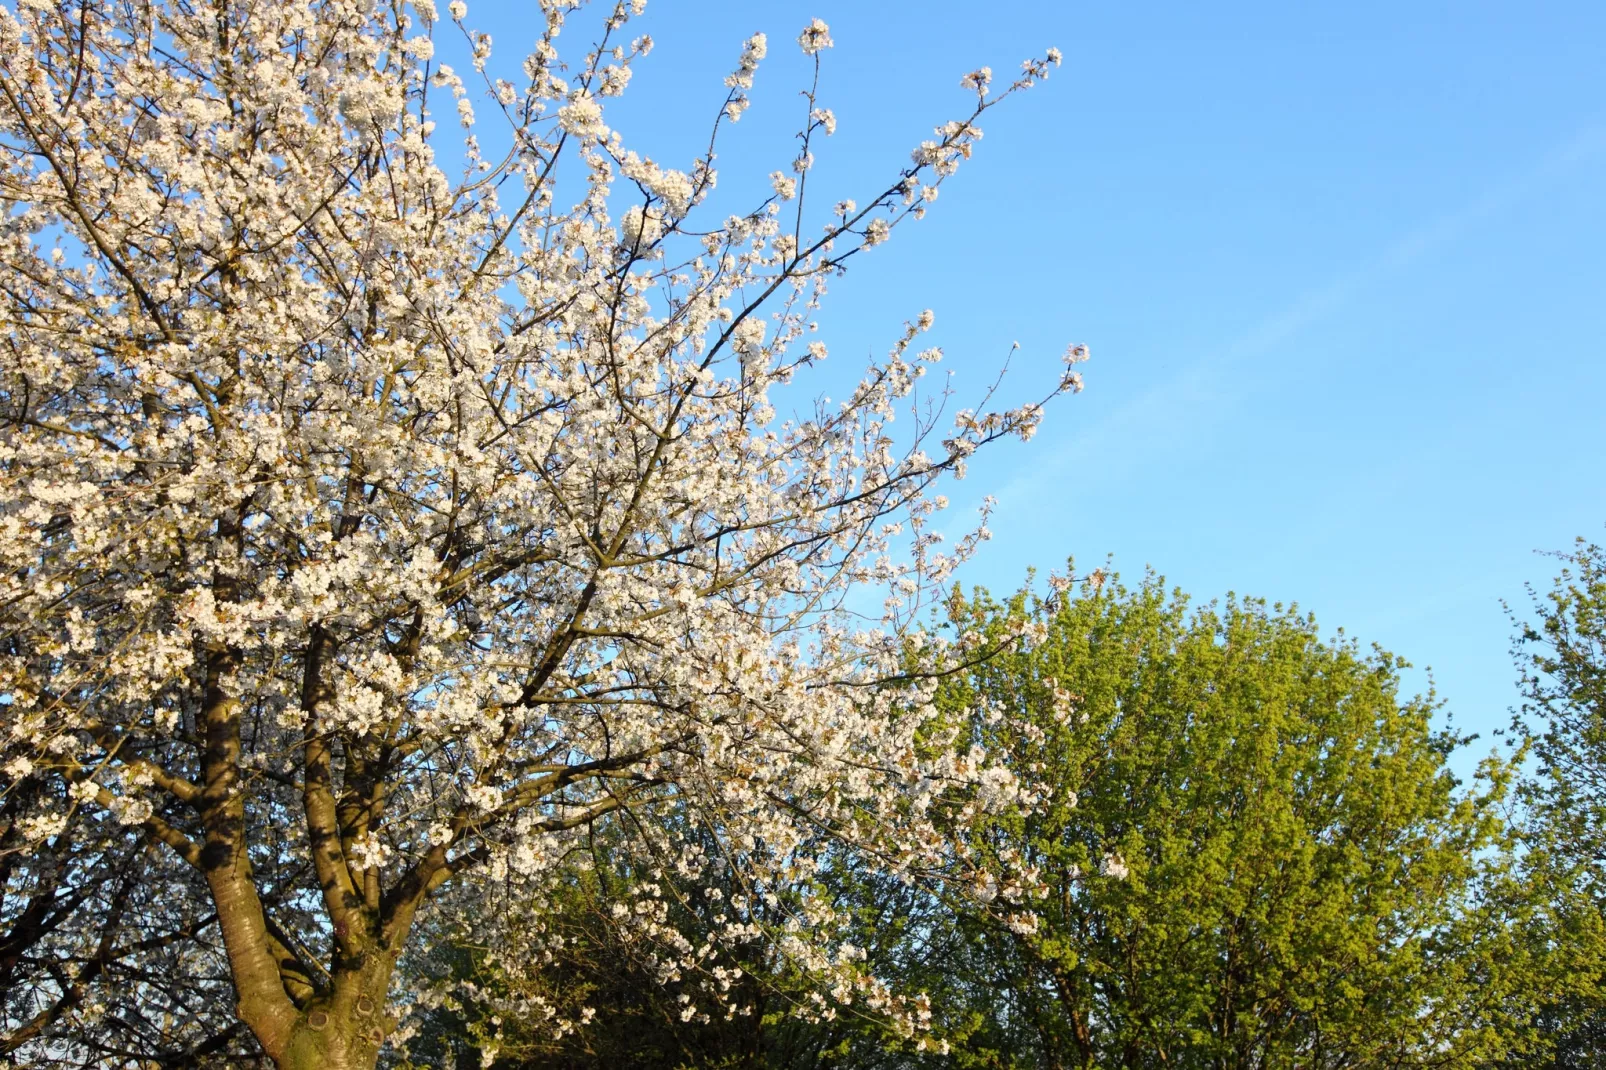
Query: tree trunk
{"type": "Point", "coordinates": [346, 1029]}
{"type": "Point", "coordinates": [336, 1046]}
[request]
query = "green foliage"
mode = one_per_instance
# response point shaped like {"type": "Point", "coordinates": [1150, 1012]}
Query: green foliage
{"type": "Point", "coordinates": [1253, 851]}
{"type": "Point", "coordinates": [1561, 653]}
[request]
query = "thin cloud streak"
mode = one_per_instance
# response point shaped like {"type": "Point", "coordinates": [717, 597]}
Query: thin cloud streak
{"type": "Point", "coordinates": [1168, 406]}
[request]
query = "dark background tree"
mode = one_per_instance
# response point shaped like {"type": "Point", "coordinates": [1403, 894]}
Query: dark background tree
{"type": "Point", "coordinates": [97, 966]}
{"type": "Point", "coordinates": [588, 987]}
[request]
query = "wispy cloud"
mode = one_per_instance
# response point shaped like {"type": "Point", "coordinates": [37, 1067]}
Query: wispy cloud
{"type": "Point", "coordinates": [1170, 406]}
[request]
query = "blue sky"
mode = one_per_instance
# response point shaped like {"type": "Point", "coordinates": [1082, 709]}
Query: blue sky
{"type": "Point", "coordinates": [1342, 272]}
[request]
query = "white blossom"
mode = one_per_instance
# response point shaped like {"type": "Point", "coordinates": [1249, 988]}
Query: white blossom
{"type": "Point", "coordinates": [369, 852]}
{"type": "Point", "coordinates": [582, 116]}
{"type": "Point", "coordinates": [639, 228]}
{"type": "Point", "coordinates": [815, 36]}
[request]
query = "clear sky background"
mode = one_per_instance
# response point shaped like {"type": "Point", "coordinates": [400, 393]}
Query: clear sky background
{"type": "Point", "coordinates": [1342, 269]}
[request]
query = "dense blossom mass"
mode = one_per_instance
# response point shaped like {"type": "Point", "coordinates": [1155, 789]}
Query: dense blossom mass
{"type": "Point", "coordinates": [365, 526]}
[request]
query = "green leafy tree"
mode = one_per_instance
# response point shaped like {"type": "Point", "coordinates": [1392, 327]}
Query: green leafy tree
{"type": "Point", "coordinates": [1250, 849]}
{"type": "Point", "coordinates": [1561, 653]}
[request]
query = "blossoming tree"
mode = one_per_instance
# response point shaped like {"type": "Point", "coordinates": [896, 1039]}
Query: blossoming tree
{"type": "Point", "coordinates": [366, 528]}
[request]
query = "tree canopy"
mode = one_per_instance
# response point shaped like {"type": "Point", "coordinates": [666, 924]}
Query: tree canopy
{"type": "Point", "coordinates": [1250, 848]}
{"type": "Point", "coordinates": [366, 528]}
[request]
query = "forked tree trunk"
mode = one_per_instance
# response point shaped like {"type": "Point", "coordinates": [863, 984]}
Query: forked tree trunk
{"type": "Point", "coordinates": [345, 1030]}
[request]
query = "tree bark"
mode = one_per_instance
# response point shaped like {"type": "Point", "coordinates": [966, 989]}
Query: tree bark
{"type": "Point", "coordinates": [264, 1005]}
{"type": "Point", "coordinates": [346, 1029]}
